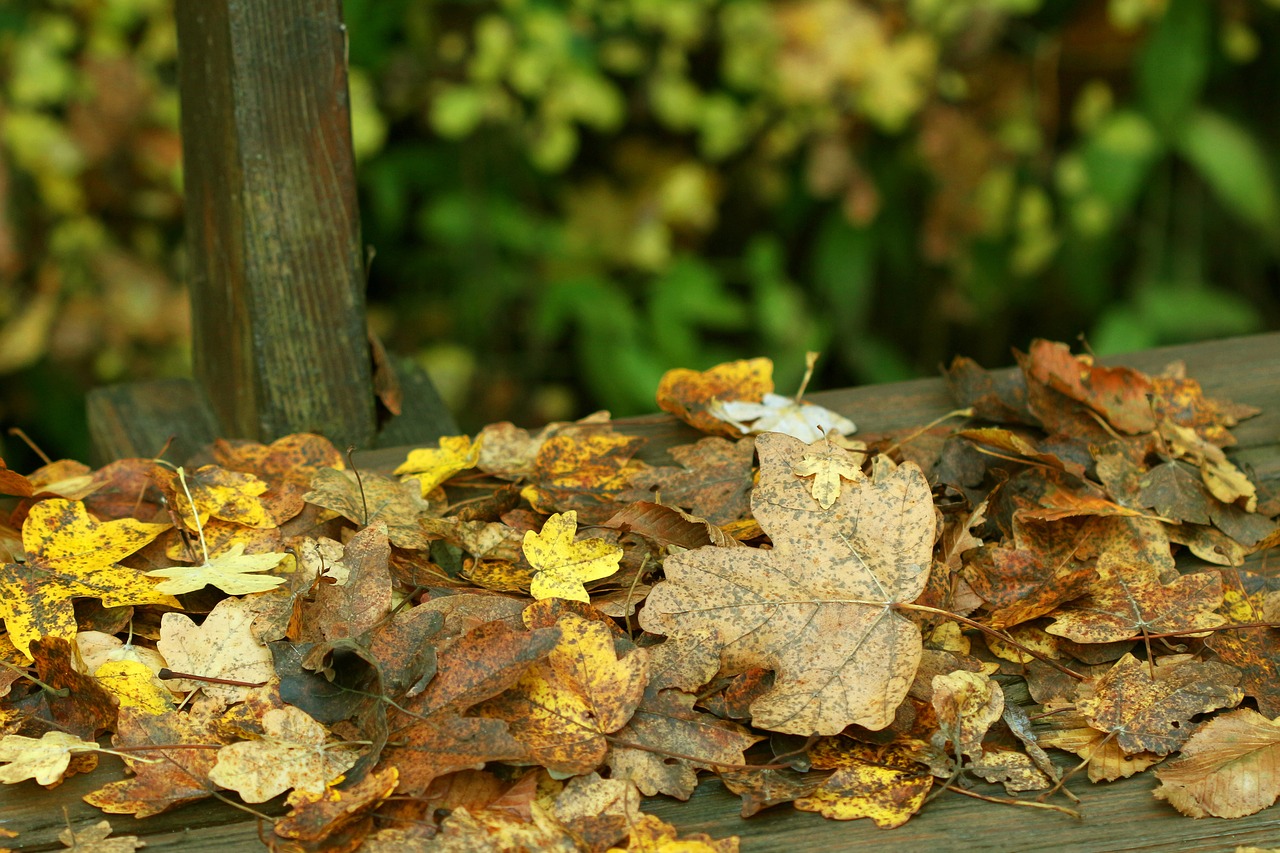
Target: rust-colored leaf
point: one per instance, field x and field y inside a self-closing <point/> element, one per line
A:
<point x="688" y="394"/>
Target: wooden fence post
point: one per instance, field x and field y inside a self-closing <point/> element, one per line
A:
<point x="273" y="233"/>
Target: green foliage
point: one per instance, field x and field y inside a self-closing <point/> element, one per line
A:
<point x="568" y="198"/>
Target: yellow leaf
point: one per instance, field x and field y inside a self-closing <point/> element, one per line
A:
<point x="565" y="565"/>
<point x="826" y="467"/>
<point x="230" y="571"/>
<point x="295" y="753"/>
<point x="70" y="554"/>
<point x="135" y="686"/>
<point x="431" y="466"/>
<point x="44" y="759"/>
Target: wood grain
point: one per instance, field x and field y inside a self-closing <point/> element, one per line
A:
<point x="273" y="229"/>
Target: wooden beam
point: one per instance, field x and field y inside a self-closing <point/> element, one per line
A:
<point x="276" y="264"/>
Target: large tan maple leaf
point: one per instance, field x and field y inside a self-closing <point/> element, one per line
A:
<point x="819" y="607"/>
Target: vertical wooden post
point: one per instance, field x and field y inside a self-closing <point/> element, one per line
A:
<point x="273" y="230"/>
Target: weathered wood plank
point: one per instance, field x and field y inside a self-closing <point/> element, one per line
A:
<point x="276" y="263"/>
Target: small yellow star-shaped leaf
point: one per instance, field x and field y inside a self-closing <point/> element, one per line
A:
<point x="827" y="466"/>
<point x="231" y="571"/>
<point x="564" y="565"/>
<point x="431" y="466"/>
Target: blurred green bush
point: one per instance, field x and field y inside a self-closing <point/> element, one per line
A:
<point x="568" y="198"/>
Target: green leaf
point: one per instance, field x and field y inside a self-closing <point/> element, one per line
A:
<point x="1230" y="160"/>
<point x="1175" y="61"/>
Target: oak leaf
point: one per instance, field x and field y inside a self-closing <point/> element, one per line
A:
<point x="295" y="752"/>
<point x="69" y="554"/>
<point x="818" y="608"/>
<point x="564" y="565"/>
<point x="1229" y="767"/>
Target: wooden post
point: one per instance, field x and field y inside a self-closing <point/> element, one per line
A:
<point x="273" y="232"/>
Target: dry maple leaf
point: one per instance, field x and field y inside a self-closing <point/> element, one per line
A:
<point x="651" y="835"/>
<point x="882" y="783"/>
<point x="562" y="707"/>
<point x="220" y="647"/>
<point x="295" y="752"/>
<point x="1152" y="715"/>
<point x="44" y="759"/>
<point x="67" y="700"/>
<point x="232" y="571"/>
<point x="827" y="464"/>
<point x="69" y="554"/>
<point x="431" y="466"/>
<point x="95" y="839"/>
<point x="373" y="497"/>
<point x="787" y="415"/>
<point x="1119" y="394"/>
<point x="564" y="565"/>
<point x="967" y="704"/>
<point x="363" y="597"/>
<point x="599" y="812"/>
<point x="165" y="777"/>
<point x="712" y="482"/>
<point x="1230" y="767"/>
<point x="218" y="493"/>
<point x="335" y="819"/>
<point x="1127" y="599"/>
<point x="818" y="608"/>
<point x="582" y="469"/>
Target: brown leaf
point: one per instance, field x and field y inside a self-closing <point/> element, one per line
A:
<point x="582" y="469"/>
<point x="363" y="598"/>
<point x="762" y="789"/>
<point x="73" y="703"/>
<point x="95" y="839"/>
<point x="1230" y="767"/>
<point x="967" y="704"/>
<point x="1153" y="714"/>
<point x="999" y="397"/>
<point x="563" y="706"/>
<point x="1181" y="400"/>
<point x="599" y="812"/>
<point x="382" y="499"/>
<point x="1119" y="394"/>
<point x="818" y="607"/>
<point x="220" y="647"/>
<point x="712" y="482"/>
<point x="1127" y="599"/>
<point x="295" y="753"/>
<point x="335" y="820"/>
<point x="168" y="777"/>
<point x="668" y="525"/>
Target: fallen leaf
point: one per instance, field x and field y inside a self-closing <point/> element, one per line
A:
<point x="44" y="759"/>
<point x="563" y="564"/>
<point x="713" y="480"/>
<point x="1149" y="714"/>
<point x="818" y="608"/>
<point x="217" y="493"/>
<point x="431" y="466"/>
<point x="651" y="835"/>
<point x="372" y="497"/>
<point x="967" y="705"/>
<point x="167" y="776"/>
<point x="1229" y="767"/>
<point x="70" y="554"/>
<point x="880" y="783"/>
<point x="232" y="571"/>
<point x="562" y="707"/>
<point x="336" y="819"/>
<point x="584" y="470"/>
<point x="827" y="464"/>
<point x="220" y="647"/>
<point x="688" y="394"/>
<point x="668" y="525"/>
<point x="599" y="812"/>
<point x="95" y="839"/>
<point x="786" y="415"/>
<point x="1119" y="394"/>
<point x="295" y="752"/>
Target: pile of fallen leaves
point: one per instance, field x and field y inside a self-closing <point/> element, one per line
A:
<point x="512" y="638"/>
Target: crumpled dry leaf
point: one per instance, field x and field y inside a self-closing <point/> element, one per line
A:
<point x="689" y="394"/>
<point x="882" y="783"/>
<point x="787" y="415"/>
<point x="818" y="608"/>
<point x="95" y="840"/>
<point x="431" y="466"/>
